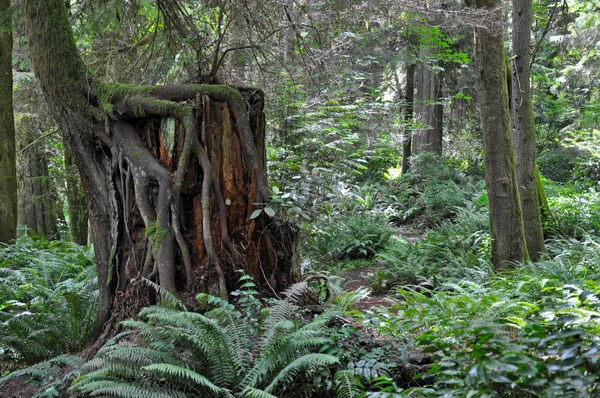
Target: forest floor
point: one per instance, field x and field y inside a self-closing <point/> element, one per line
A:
<point x="359" y="277"/>
<point x="17" y="388"/>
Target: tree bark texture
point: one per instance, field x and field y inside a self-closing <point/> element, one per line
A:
<point x="171" y="175"/>
<point x="8" y="174"/>
<point x="506" y="221"/>
<point x="39" y="206"/>
<point x="523" y="126"/>
<point x="78" y="214"/>
<point x="408" y="116"/>
<point x="429" y="110"/>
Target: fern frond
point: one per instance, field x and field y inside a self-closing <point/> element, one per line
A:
<point x="250" y="392"/>
<point x="124" y="390"/>
<point x="293" y="293"/>
<point x="306" y="363"/>
<point x="347" y="385"/>
<point x="183" y="373"/>
<point x="166" y="295"/>
<point x="238" y="338"/>
<point x="140" y="356"/>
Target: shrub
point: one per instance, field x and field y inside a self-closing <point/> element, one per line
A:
<point x="577" y="214"/>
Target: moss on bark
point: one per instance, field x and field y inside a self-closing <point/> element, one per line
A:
<point x="8" y="176"/>
<point x="506" y="220"/>
<point x="523" y="127"/>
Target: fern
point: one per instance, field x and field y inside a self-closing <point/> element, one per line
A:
<point x="307" y="363"/>
<point x="166" y="295"/>
<point x="216" y="354"/>
<point x="347" y="384"/>
<point x="250" y="392"/>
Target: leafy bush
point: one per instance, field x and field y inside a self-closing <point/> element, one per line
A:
<point x="529" y="332"/>
<point x="577" y="213"/>
<point x="543" y="359"/>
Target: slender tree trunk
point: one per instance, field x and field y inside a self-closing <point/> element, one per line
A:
<point x="523" y="126"/>
<point x="408" y="115"/>
<point x="78" y="217"/>
<point x="39" y="205"/>
<point x="506" y="221"/>
<point x="171" y="176"/>
<point x="429" y="110"/>
<point x="8" y="174"/>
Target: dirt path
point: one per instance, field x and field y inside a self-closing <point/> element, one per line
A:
<point x="357" y="278"/>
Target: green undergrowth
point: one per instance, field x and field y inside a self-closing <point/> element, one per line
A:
<point x="48" y="300"/>
<point x="296" y="346"/>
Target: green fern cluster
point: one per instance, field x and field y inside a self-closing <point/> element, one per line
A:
<point x="456" y="250"/>
<point x="175" y="353"/>
<point x="48" y="300"/>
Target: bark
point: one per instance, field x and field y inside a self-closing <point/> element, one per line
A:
<point x="171" y="176"/>
<point x="39" y="206"/>
<point x="429" y="110"/>
<point x="78" y="218"/>
<point x="8" y="176"/>
<point x="408" y="116"/>
<point x="506" y="221"/>
<point x="523" y="126"/>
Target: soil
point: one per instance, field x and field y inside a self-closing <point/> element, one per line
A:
<point x="17" y="388"/>
<point x="357" y="278"/>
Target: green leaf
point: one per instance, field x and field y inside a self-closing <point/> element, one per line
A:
<point x="255" y="214"/>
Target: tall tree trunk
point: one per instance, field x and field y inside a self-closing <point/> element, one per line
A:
<point x="523" y="126"/>
<point x="8" y="173"/>
<point x="429" y="110"/>
<point x="408" y="115"/>
<point x="39" y="205"/>
<point x="78" y="217"/>
<point x="506" y="221"/>
<point x="171" y="175"/>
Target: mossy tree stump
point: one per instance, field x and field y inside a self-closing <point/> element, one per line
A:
<point x="171" y="174"/>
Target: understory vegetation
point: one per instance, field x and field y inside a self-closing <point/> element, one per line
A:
<point x="449" y="325"/>
<point x="398" y="296"/>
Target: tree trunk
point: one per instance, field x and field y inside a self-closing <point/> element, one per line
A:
<point x="8" y="174"/>
<point x="408" y="116"/>
<point x="429" y="110"/>
<point x="39" y="205"/>
<point x="171" y="175"/>
<point x="523" y="127"/>
<point x="78" y="217"/>
<point x="506" y="221"/>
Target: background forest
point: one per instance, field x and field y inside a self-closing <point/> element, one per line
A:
<point x="376" y="119"/>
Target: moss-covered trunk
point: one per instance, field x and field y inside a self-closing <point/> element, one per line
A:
<point x="171" y="175"/>
<point x="429" y="109"/>
<point x="523" y="126"/>
<point x="8" y="176"/>
<point x="506" y="221"/>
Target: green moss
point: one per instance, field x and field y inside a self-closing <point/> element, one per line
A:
<point x="155" y="233"/>
<point x="135" y="98"/>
